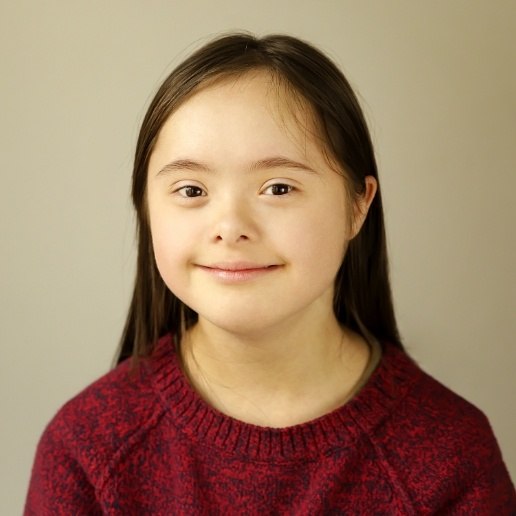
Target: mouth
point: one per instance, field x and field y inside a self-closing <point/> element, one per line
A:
<point x="238" y="271"/>
<point x="238" y="266"/>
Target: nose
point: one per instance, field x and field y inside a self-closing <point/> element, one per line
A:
<point x="233" y="221"/>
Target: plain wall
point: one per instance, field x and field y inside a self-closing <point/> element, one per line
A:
<point x="437" y="82"/>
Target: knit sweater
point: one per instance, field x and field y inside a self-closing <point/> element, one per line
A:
<point x="145" y="443"/>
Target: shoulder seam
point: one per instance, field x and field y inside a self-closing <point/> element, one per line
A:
<point x="106" y="475"/>
<point x="384" y="463"/>
<point x="390" y="472"/>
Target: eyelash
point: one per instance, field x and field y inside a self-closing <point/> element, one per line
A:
<point x="190" y="188"/>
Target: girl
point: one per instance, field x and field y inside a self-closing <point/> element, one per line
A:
<point x="260" y="368"/>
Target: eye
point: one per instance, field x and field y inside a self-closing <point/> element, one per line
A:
<point x="278" y="189"/>
<point x="190" y="191"/>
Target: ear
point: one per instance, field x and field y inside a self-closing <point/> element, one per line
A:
<point x="362" y="204"/>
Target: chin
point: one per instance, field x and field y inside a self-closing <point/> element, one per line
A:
<point x="243" y="323"/>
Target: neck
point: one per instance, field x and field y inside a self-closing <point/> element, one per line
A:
<point x="279" y="377"/>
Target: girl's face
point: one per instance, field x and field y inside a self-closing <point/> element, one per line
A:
<point x="249" y="223"/>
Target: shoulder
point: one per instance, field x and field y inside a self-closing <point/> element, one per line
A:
<point x="105" y="419"/>
<point x="122" y="397"/>
<point x="435" y="444"/>
<point x="407" y="393"/>
<point x="433" y="412"/>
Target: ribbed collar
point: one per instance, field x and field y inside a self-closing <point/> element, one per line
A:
<point x="340" y="428"/>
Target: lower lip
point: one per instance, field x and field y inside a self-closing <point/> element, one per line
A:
<point x="240" y="275"/>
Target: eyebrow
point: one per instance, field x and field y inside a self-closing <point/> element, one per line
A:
<point x="263" y="164"/>
<point x="183" y="164"/>
<point x="280" y="162"/>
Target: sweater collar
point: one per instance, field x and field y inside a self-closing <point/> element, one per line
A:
<point x="341" y="428"/>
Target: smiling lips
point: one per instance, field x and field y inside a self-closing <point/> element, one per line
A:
<point x="238" y="271"/>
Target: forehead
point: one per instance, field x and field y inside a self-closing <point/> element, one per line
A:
<point x="266" y="87"/>
<point x="256" y="105"/>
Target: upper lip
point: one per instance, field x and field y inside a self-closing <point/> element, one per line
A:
<point x="238" y="266"/>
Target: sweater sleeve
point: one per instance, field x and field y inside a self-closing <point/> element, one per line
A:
<point x="59" y="485"/>
<point x="492" y="492"/>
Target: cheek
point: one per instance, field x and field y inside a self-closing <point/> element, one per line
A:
<point x="319" y="237"/>
<point x="172" y="243"/>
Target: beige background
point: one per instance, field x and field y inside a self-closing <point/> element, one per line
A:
<point x="438" y="85"/>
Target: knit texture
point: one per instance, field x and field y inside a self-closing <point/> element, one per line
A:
<point x="146" y="443"/>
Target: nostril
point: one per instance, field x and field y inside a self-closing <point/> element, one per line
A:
<point x="241" y="237"/>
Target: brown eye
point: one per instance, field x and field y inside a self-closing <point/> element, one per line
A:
<point x="279" y="189"/>
<point x="191" y="191"/>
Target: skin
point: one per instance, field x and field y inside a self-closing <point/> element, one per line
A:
<point x="235" y="181"/>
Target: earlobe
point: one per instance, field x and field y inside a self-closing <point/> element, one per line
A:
<point x="363" y="203"/>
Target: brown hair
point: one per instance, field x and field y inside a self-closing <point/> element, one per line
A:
<point x="363" y="299"/>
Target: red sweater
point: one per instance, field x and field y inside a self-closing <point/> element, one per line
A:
<point x="148" y="444"/>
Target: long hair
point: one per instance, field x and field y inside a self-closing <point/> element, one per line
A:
<point x="363" y="299"/>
